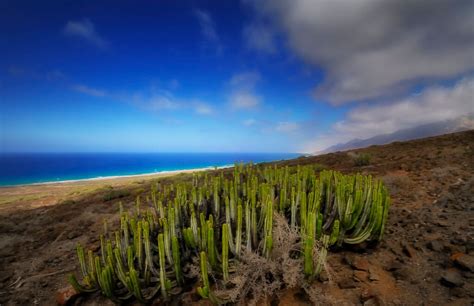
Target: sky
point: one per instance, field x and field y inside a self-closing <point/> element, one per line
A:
<point x="228" y="76"/>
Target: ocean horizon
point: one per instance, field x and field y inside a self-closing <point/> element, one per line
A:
<point x="34" y="168"/>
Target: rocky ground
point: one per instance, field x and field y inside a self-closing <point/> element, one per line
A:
<point x="426" y="257"/>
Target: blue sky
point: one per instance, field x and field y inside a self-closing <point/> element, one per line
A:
<point x="224" y="76"/>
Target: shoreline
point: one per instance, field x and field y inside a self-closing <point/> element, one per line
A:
<point x="30" y="196"/>
<point x="118" y="177"/>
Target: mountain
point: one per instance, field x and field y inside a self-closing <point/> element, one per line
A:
<point x="427" y="130"/>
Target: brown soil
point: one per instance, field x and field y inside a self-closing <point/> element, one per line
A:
<point x="425" y="258"/>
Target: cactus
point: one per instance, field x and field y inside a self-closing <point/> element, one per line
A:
<point x="309" y="244"/>
<point x="163" y="280"/>
<point x="238" y="235"/>
<point x="205" y="289"/>
<point x="211" y="215"/>
<point x="177" y="260"/>
<point x="225" y="251"/>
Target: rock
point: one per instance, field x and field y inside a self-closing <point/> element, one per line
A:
<point x="435" y="245"/>
<point x="393" y="266"/>
<point x="323" y="276"/>
<point x="402" y="274"/>
<point x="66" y="295"/>
<point x="408" y="250"/>
<point x="373" y="275"/>
<point x="441" y="223"/>
<point x="73" y="234"/>
<point x="347" y="283"/>
<point x="371" y="302"/>
<point x="452" y="278"/>
<point x="466" y="262"/>
<point x="361" y="276"/>
<point x="366" y="294"/>
<point x="360" y="264"/>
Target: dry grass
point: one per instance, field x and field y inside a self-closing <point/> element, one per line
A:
<point x="256" y="277"/>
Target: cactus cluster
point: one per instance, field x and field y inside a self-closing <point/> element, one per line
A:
<point x="217" y="216"/>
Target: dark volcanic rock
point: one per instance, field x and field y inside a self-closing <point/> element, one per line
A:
<point x="435" y="245"/>
<point x="347" y="283"/>
<point x="452" y="278"/>
<point x="466" y="262"/>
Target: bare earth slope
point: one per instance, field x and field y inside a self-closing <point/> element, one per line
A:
<point x="426" y="257"/>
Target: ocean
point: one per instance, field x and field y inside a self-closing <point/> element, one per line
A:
<point x="30" y="168"/>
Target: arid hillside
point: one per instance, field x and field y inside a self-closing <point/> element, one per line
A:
<point x="425" y="258"/>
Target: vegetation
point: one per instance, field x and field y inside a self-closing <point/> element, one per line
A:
<point x="362" y="159"/>
<point x="113" y="194"/>
<point x="217" y="220"/>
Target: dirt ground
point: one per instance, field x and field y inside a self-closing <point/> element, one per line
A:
<point x="425" y="258"/>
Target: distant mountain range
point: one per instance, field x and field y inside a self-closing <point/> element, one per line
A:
<point x="427" y="130"/>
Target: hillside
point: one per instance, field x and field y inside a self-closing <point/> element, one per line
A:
<point x="463" y="123"/>
<point x="426" y="256"/>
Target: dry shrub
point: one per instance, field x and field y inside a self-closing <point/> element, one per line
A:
<point x="396" y="182"/>
<point x="442" y="173"/>
<point x="256" y="277"/>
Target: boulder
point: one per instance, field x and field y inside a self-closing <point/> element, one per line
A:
<point x="452" y="278"/>
<point x="66" y="295"/>
<point x="466" y="262"/>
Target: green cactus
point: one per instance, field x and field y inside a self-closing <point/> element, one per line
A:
<point x="225" y="251"/>
<point x="213" y="214"/>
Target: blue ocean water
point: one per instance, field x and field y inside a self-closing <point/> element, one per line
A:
<point x="28" y="168"/>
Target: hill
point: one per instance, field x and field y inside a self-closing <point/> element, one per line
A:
<point x="427" y="130"/>
<point x="426" y="256"/>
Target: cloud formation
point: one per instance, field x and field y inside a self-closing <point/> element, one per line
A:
<point x="287" y="127"/>
<point x="249" y="122"/>
<point x="85" y="30"/>
<point x="90" y="91"/>
<point x="154" y="100"/>
<point x="202" y="108"/>
<point x="435" y="104"/>
<point x="373" y="49"/>
<point x="208" y="28"/>
<point x="259" y="37"/>
<point x="243" y="95"/>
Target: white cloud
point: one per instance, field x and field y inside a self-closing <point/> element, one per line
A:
<point x="154" y="100"/>
<point x="208" y="28"/>
<point x="159" y="102"/>
<point x="287" y="127"/>
<point x="89" y="90"/>
<point x="259" y="37"/>
<point x="434" y="104"/>
<point x="203" y="108"/>
<point x="242" y="100"/>
<point x="243" y="94"/>
<point x="85" y="30"/>
<point x="373" y="49"/>
<point x="249" y="122"/>
<point x="245" y="80"/>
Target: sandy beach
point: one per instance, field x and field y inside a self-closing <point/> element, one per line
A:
<point x="31" y="196"/>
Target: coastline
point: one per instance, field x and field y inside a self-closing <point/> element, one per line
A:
<point x="30" y="196"/>
<point x="116" y="177"/>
